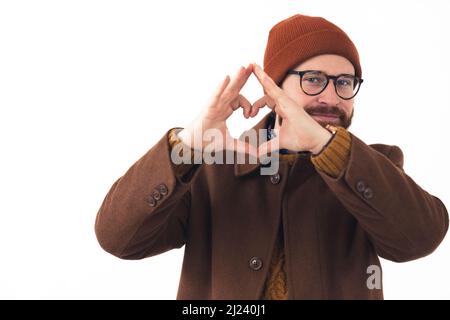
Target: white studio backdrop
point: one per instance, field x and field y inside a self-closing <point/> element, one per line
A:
<point x="87" y="87"/>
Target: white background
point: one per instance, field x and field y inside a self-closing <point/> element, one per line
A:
<point x="87" y="87"/>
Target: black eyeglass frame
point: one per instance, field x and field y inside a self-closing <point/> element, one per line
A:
<point x="359" y="81"/>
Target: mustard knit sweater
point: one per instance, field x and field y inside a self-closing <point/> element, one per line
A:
<point x="332" y="160"/>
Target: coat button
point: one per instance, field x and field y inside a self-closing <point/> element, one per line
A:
<point x="360" y="186"/>
<point x="368" y="193"/>
<point x="275" y="178"/>
<point x="156" y="195"/>
<point x="255" y="263"/>
<point x="162" y="188"/>
<point x="151" y="201"/>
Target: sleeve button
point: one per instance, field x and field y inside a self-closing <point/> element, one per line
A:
<point x="360" y="186"/>
<point x="162" y="188"/>
<point x="368" y="193"/>
<point x="151" y="201"/>
<point x="156" y="195"/>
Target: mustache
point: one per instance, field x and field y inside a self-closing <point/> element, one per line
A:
<point x="326" y="110"/>
<point x="344" y="119"/>
<point x="314" y="110"/>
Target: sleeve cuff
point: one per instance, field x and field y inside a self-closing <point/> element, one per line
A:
<point x="334" y="157"/>
<point x="182" y="169"/>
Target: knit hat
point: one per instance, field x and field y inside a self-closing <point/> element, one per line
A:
<point x="300" y="37"/>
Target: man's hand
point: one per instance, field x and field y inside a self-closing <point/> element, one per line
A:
<point x="298" y="131"/>
<point x="224" y="102"/>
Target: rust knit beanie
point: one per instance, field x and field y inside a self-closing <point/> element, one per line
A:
<point x="300" y="37"/>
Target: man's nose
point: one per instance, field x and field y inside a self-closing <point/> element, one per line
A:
<point x="329" y="95"/>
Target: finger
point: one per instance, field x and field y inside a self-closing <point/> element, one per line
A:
<point x="261" y="103"/>
<point x="246" y="106"/>
<point x="219" y="91"/>
<point x="236" y="84"/>
<point x="267" y="83"/>
<point x="268" y="147"/>
<point x="246" y="73"/>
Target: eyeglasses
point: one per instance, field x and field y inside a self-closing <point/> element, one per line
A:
<point x="314" y="82"/>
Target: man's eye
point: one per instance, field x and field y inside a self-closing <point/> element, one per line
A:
<point x="345" y="82"/>
<point x="314" y="80"/>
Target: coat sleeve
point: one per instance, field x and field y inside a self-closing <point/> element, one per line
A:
<point x="403" y="221"/>
<point x="132" y="222"/>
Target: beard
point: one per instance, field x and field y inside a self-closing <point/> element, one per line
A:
<point x="342" y="120"/>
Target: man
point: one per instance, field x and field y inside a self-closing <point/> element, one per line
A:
<point x="311" y="230"/>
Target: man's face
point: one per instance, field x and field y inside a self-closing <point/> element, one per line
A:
<point x="326" y="107"/>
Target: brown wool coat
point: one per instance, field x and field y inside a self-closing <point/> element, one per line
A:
<point x="227" y="216"/>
